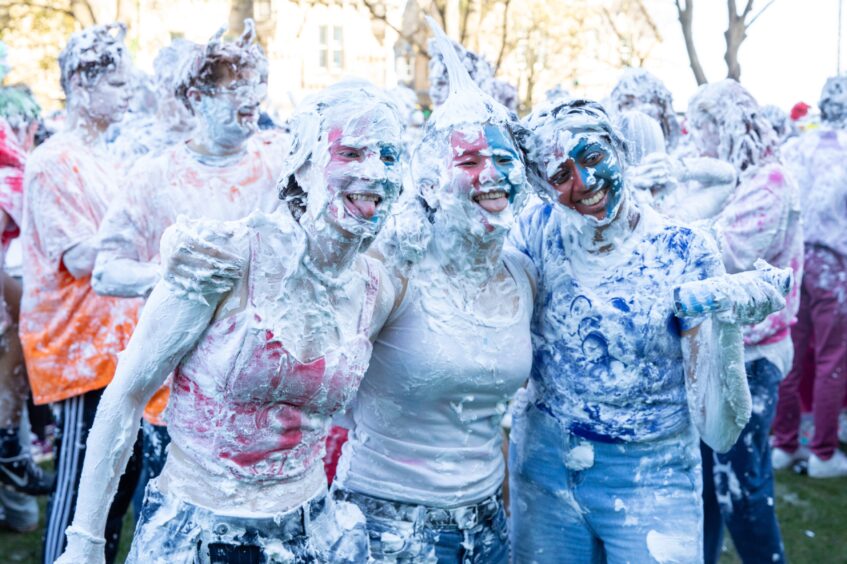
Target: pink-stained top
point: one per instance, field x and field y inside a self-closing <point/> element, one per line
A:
<point x="12" y="161"/>
<point x="177" y="182"/>
<point x="762" y="220"/>
<point x="818" y="161"/>
<point x="241" y="403"/>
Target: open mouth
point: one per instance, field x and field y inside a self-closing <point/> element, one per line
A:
<point x="593" y="201"/>
<point x="494" y="201"/>
<point x="362" y="204"/>
<point x="248" y="114"/>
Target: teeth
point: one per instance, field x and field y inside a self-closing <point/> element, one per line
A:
<point x="497" y="194"/>
<point x="365" y="197"/>
<point x="593" y="199"/>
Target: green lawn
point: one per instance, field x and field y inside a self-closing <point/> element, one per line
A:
<point x="812" y="513"/>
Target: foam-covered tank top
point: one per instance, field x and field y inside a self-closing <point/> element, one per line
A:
<point x="241" y="403"/>
<point x="429" y="409"/>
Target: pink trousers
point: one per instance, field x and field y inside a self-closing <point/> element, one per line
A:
<point x="820" y="354"/>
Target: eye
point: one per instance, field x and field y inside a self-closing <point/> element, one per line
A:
<point x="562" y="175"/>
<point x="504" y="159"/>
<point x="468" y="163"/>
<point x="388" y="158"/>
<point x="349" y="153"/>
<point x="593" y="158"/>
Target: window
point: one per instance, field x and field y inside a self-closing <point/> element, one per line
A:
<point x="331" y="51"/>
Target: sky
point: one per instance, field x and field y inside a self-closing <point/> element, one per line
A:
<point x="787" y="56"/>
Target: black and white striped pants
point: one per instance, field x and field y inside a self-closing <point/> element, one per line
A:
<point x="75" y="418"/>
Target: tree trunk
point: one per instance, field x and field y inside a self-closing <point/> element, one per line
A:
<point x="735" y="35"/>
<point x="686" y="17"/>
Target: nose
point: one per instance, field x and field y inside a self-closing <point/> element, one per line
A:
<point x="491" y="173"/>
<point x="372" y="168"/>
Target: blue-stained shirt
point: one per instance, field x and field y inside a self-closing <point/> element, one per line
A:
<point x="607" y="354"/>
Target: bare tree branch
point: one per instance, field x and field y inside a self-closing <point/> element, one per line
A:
<point x="380" y="15"/>
<point x="686" y="17"/>
<point x="759" y="13"/>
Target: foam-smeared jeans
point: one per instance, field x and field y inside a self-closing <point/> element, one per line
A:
<point x="738" y="487"/>
<point x="580" y="501"/>
<point x="405" y="532"/>
<point x="171" y="531"/>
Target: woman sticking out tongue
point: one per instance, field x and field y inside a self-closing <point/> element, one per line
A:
<point x="266" y="323"/>
<point x="424" y="460"/>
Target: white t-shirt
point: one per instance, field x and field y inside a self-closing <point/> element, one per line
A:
<point x="428" y="412"/>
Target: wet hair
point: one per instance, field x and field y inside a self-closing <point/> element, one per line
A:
<point x="746" y="137"/>
<point x="647" y="88"/>
<point x="219" y="59"/>
<point x="90" y="53"/>
<point x="780" y="121"/>
<point x="347" y="100"/>
<point x="169" y="66"/>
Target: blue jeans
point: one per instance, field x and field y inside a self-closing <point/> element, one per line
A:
<point x="575" y="500"/>
<point x="738" y="488"/>
<point x="154" y="444"/>
<point x="172" y="531"/>
<point x="405" y="532"/>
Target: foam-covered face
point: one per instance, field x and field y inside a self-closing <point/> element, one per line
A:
<point x="484" y="176"/>
<point x="706" y="135"/>
<point x="363" y="173"/>
<point x="584" y="174"/>
<point x="439" y="85"/>
<point x="652" y="108"/>
<point x="107" y="100"/>
<point x="230" y="110"/>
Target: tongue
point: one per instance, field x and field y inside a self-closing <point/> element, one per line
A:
<point x="366" y="208"/>
<point x="494" y="206"/>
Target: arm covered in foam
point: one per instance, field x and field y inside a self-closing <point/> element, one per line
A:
<point x="151" y="355"/>
<point x="201" y="270"/>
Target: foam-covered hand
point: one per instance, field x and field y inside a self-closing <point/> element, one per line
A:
<point x="197" y="259"/>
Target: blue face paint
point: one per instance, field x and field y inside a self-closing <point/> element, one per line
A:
<point x="504" y="156"/>
<point x="597" y="165"/>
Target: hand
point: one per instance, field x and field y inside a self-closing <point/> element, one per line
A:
<point x="83" y="548"/>
<point x="196" y="260"/>
<point x="656" y="171"/>
<point x="752" y="300"/>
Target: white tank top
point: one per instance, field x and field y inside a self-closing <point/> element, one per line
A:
<point x="428" y="412"/>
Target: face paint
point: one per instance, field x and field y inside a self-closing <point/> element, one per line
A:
<point x="362" y="175"/>
<point x="588" y="177"/>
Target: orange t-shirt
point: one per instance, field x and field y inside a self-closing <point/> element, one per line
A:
<point x="70" y="335"/>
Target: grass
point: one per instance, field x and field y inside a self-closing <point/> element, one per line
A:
<point x="812" y="514"/>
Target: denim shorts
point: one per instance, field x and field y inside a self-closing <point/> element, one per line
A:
<point x="171" y="531"/>
<point x="406" y="532"/>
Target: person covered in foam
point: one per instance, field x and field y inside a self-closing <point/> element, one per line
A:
<point x="424" y="460"/>
<point x="70" y="335"/>
<point x="266" y="323"/>
<point x="760" y="220"/>
<point x="818" y="160"/>
<point x="604" y="459"/>
<point x="169" y="121"/>
<point x="663" y="168"/>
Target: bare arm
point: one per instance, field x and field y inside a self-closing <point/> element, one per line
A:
<point x="143" y="367"/>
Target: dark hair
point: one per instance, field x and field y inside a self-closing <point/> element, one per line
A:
<point x="294" y="195"/>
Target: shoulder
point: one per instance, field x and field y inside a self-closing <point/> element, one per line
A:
<point x="683" y="241"/>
